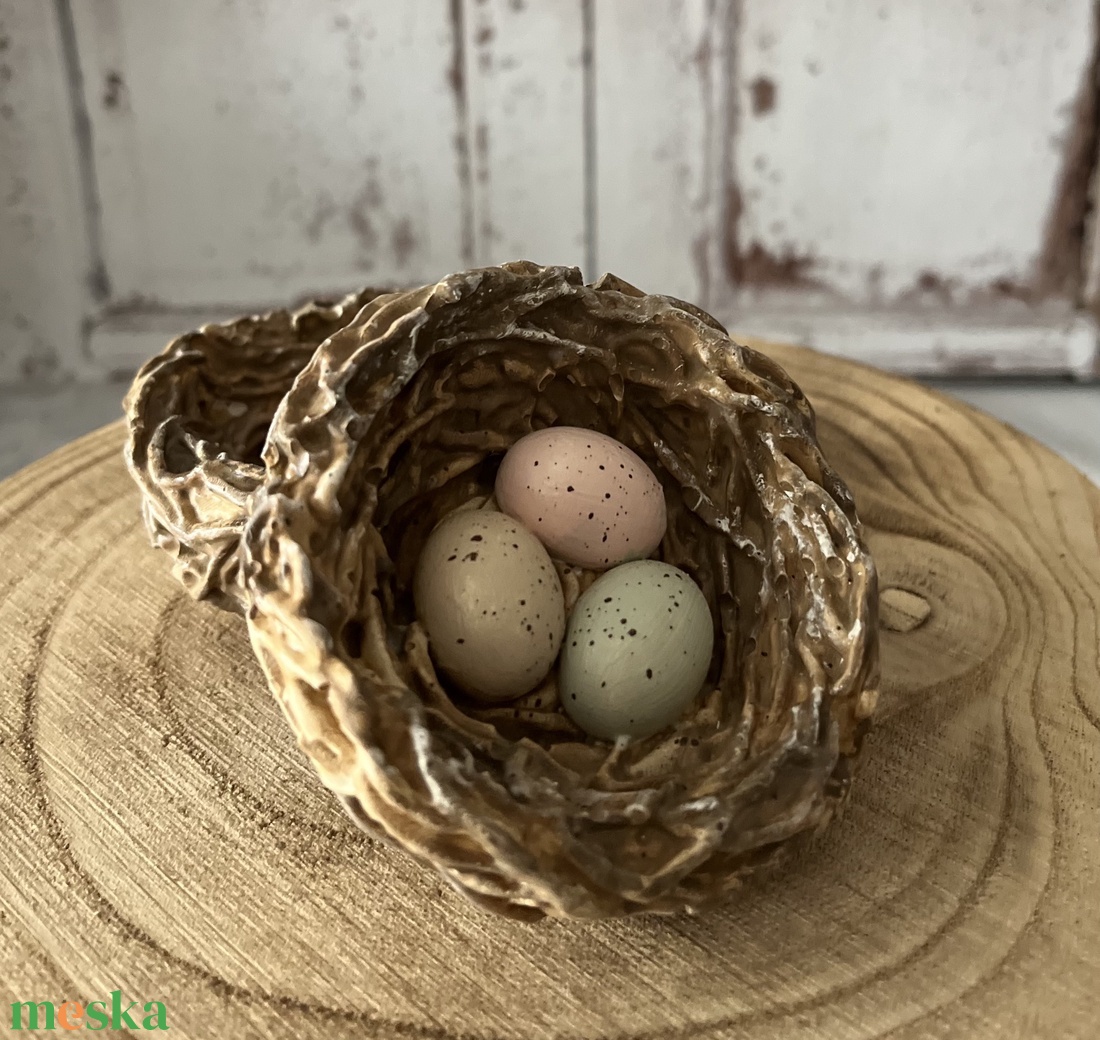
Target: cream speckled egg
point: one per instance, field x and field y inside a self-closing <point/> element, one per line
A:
<point x="637" y="650"/>
<point x="491" y="602"/>
<point x="590" y="500"/>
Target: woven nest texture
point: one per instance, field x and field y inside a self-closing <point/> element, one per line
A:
<point x="402" y="415"/>
<point x="199" y="415"/>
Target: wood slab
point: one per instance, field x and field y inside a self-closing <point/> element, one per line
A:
<point x="163" y="835"/>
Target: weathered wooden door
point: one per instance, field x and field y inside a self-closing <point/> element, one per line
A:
<point x="904" y="181"/>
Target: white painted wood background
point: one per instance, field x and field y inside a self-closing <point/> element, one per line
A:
<point x="904" y="181"/>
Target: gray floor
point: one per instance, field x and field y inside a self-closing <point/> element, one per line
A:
<point x="34" y="420"/>
<point x="1065" y="416"/>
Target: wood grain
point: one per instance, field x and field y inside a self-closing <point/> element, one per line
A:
<point x="164" y="835"/>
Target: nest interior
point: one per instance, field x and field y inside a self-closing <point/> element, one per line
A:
<point x="403" y="415"/>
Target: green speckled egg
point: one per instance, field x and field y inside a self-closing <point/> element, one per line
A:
<point x="636" y="651"/>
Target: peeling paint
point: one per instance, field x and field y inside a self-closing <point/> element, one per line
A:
<point x="19" y="188"/>
<point x="40" y="363"/>
<point x="113" y="89"/>
<point x="928" y="284"/>
<point x="731" y="244"/>
<point x="762" y="93"/>
<point x="403" y="241"/>
<point x="703" y="60"/>
<point x="789" y="270"/>
<point x="481" y="152"/>
<point x="457" y="78"/>
<point x="324" y="210"/>
<point x="360" y="223"/>
<point x="754" y="265"/>
<point x="96" y="279"/>
<point x="371" y="194"/>
<point x="1060" y="267"/>
<point x="1005" y="288"/>
<point x="875" y="278"/>
<point x="700" y="252"/>
<point x="134" y="303"/>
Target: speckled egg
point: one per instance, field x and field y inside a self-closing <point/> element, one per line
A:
<point x="590" y="500"/>
<point x="637" y="650"/>
<point x="491" y="603"/>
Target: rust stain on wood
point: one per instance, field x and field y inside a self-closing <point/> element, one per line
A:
<point x="947" y="291"/>
<point x="114" y="88"/>
<point x="42" y="363"/>
<point x="703" y="60"/>
<point x="134" y="304"/>
<point x="757" y="266"/>
<point x="481" y="152"/>
<point x="700" y="252"/>
<point x="403" y="241"/>
<point x="788" y="269"/>
<point x="762" y="93"/>
<point x="457" y="78"/>
<point x="928" y="284"/>
<point x="363" y="229"/>
<point x="367" y="201"/>
<point x="1060" y="267"/>
<point x="1005" y="288"/>
<point x="323" y="211"/>
<point x="731" y="239"/>
<point x="486" y="231"/>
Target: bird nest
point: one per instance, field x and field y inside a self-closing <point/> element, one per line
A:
<point x="306" y="505"/>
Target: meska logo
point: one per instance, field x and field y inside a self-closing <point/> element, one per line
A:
<point x="99" y="1014"/>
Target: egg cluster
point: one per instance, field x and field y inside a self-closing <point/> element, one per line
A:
<point x="635" y="650"/>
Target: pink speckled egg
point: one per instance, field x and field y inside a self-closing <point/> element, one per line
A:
<point x="589" y="499"/>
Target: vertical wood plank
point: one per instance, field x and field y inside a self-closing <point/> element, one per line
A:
<point x="905" y="150"/>
<point x="43" y="243"/>
<point x="661" y="123"/>
<point x="251" y="152"/>
<point x="525" y="91"/>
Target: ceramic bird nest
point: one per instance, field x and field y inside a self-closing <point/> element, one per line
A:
<point x="308" y="507"/>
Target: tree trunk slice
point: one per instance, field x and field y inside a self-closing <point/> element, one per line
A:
<point x="166" y="838"/>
